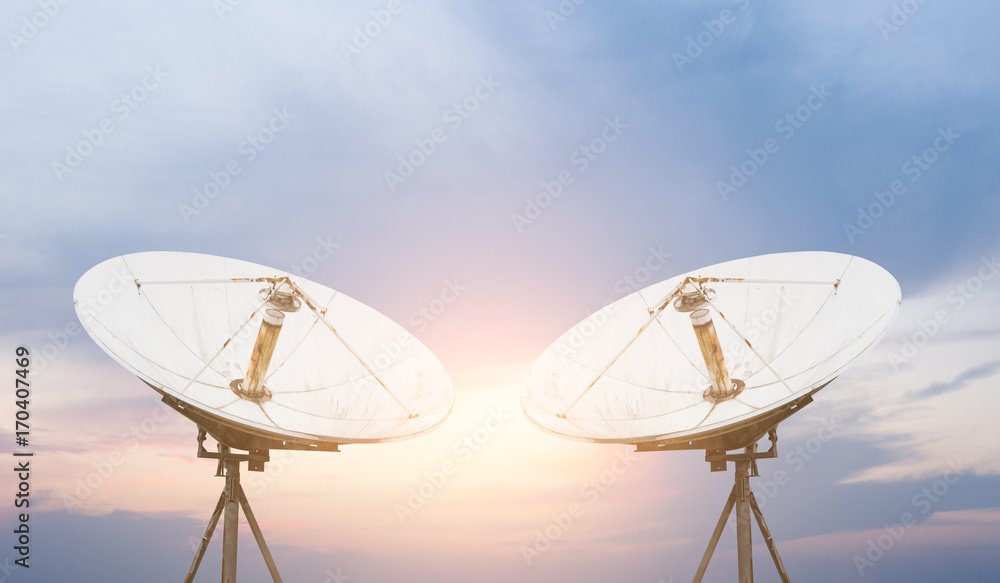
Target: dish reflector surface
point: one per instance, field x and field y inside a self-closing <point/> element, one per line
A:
<point x="187" y="323"/>
<point x="633" y="372"/>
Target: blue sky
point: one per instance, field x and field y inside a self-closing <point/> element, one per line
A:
<point x="617" y="101"/>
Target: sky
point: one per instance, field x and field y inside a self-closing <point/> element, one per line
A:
<point x="544" y="159"/>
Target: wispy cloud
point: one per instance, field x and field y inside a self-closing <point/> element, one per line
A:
<point x="939" y="388"/>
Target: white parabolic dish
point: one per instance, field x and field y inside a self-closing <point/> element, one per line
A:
<point x="185" y="324"/>
<point x="807" y="314"/>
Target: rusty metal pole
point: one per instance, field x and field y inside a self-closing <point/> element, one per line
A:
<point x="267" y="338"/>
<point x="716" y="535"/>
<point x="206" y="538"/>
<point x="230" y="529"/>
<point x="769" y="539"/>
<point x="257" y="534"/>
<point x="744" y="544"/>
<point x="711" y="352"/>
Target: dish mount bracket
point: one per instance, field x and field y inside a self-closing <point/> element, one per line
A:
<point x="232" y="499"/>
<point x="742" y="499"/>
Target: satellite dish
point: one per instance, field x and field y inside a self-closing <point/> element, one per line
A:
<point x="260" y="359"/>
<point x="713" y="359"/>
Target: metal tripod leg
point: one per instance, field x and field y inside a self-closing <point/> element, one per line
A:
<point x="231" y="526"/>
<point x="232" y="499"/>
<point x="716" y="536"/>
<point x="767" y="538"/>
<point x="742" y="499"/>
<point x="257" y="534"/>
<point x="205" y="539"/>
<point x="744" y="534"/>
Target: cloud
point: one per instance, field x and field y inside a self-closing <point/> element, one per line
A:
<point x="939" y="388"/>
<point x="323" y="178"/>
